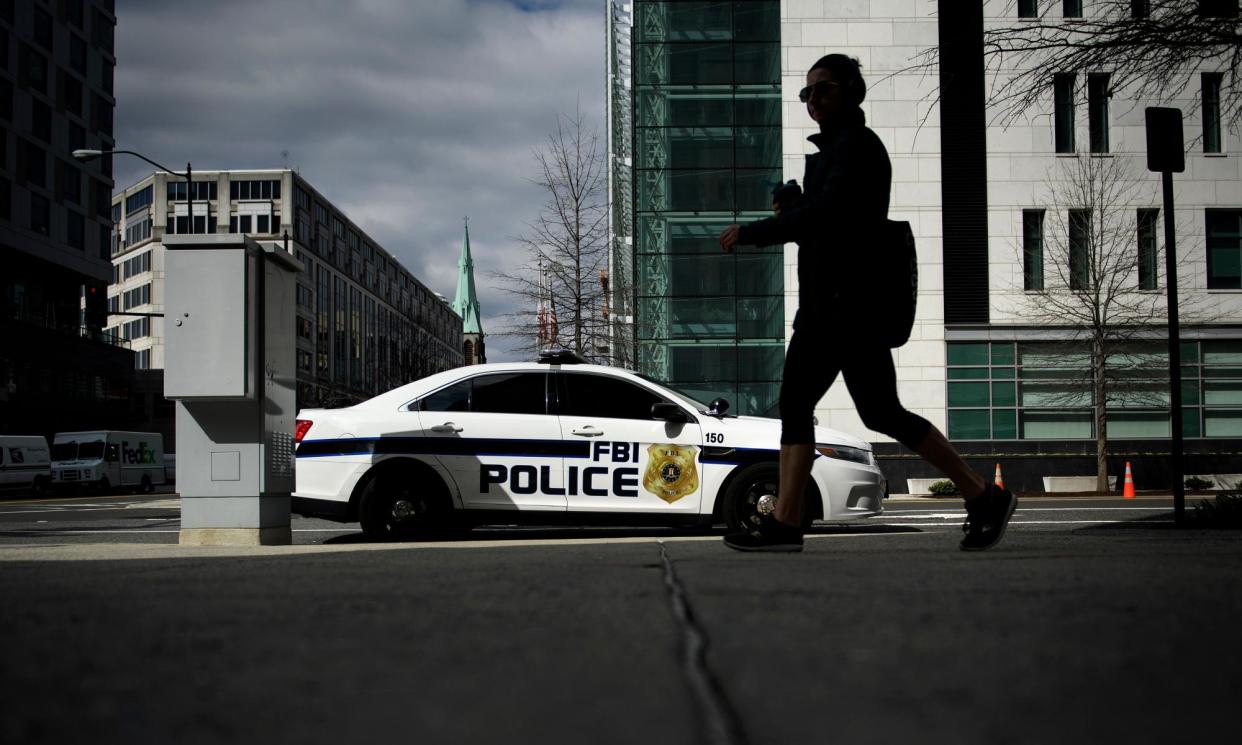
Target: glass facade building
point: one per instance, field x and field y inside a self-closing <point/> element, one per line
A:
<point x="706" y="116"/>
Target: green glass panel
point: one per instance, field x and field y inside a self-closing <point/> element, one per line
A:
<point x="1189" y="371"/>
<point x="1222" y="393"/>
<point x="1002" y="354"/>
<point x="761" y="318"/>
<point x="1003" y="373"/>
<point x="967" y="373"/>
<point x="698" y="21"/>
<point x="754" y="187"/>
<point x="759" y="399"/>
<point x="703" y="362"/>
<point x="700" y="63"/>
<point x="1004" y="424"/>
<point x="1190" y="423"/>
<point x="700" y="109"/>
<point x="761" y="362"/>
<point x="700" y="147"/>
<point x="1052" y="355"/>
<point x="1222" y="372"/>
<point x="703" y="318"/>
<point x="1057" y="425"/>
<point x="968" y="394"/>
<point x="1190" y="392"/>
<point x="1190" y="351"/>
<point x="757" y="108"/>
<point x="1055" y="395"/>
<point x="696" y="276"/>
<point x="757" y="63"/>
<point x="969" y="424"/>
<point x="758" y="147"/>
<point x="968" y="353"/>
<point x="1222" y="352"/>
<point x="685" y="191"/>
<point x="1222" y="423"/>
<point x="757" y="21"/>
<point x="761" y="274"/>
<point x="1004" y="394"/>
<point x="1139" y="424"/>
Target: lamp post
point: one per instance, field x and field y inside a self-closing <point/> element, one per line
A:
<point x="85" y="155"/>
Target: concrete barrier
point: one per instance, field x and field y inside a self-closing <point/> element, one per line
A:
<point x="1053" y="484"/>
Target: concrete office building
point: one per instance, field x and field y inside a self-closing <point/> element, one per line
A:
<point x="976" y="194"/>
<point x="57" y="370"/>
<point x="364" y="323"/>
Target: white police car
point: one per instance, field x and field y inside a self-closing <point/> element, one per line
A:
<point x="553" y="442"/>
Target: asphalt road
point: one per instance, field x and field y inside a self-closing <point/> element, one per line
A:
<point x="1094" y="621"/>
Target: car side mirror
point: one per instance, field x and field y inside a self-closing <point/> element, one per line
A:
<point x="668" y="412"/>
<point x="719" y="407"/>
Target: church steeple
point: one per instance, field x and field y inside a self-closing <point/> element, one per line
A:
<point x="466" y="304"/>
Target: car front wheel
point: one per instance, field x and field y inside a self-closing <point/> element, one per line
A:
<point x="742" y="501"/>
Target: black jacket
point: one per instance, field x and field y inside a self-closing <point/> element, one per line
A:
<point x="844" y="202"/>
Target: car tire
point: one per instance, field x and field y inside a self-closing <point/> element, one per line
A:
<point x="740" y="509"/>
<point x="395" y="508"/>
<point x="103" y="485"/>
<point x="146" y="487"/>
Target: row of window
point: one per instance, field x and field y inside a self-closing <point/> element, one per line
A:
<point x="136" y="297"/>
<point x="1138" y="8"/>
<point x="130" y="267"/>
<point x="142" y="359"/>
<point x="203" y="191"/>
<point x="131" y="330"/>
<point x="139" y="231"/>
<point x="1098" y="95"/>
<point x="32" y="170"/>
<point x="1031" y="391"/>
<point x="1223" y="228"/>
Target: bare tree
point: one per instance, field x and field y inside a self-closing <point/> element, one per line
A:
<point x="1103" y="318"/>
<point x="1153" y="48"/>
<point x="566" y="246"/>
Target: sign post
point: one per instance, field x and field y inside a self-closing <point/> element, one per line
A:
<point x="1166" y="154"/>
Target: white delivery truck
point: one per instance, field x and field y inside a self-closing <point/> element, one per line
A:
<point x="107" y="459"/>
<point x="25" y="465"/>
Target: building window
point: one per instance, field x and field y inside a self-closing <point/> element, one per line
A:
<point x="43" y="28"/>
<point x="1097" y="111"/>
<point x="1147" y="226"/>
<point x="142" y="359"/>
<point x="36" y="164"/>
<point x="138" y="200"/>
<point x="75" y="226"/>
<point x="1033" y="249"/>
<point x="1211" y="112"/>
<point x="40" y="214"/>
<point x="204" y="191"/>
<point x="77" y="54"/>
<point x="1224" y="249"/>
<point x="71" y="94"/>
<point x="1063" y="85"/>
<point x="1071" y="8"/>
<point x="40" y="120"/>
<point x="1080" y="253"/>
<point x="1028" y="8"/>
<point x="71" y="182"/>
<point x="267" y="189"/>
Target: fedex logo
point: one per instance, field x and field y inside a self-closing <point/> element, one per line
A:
<point x="139" y="456"/>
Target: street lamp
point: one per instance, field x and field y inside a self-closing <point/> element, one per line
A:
<point x="85" y="155"/>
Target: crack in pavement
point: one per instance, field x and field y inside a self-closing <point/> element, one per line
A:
<point x="723" y="725"/>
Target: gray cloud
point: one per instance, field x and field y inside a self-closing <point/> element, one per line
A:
<point x="406" y="114"/>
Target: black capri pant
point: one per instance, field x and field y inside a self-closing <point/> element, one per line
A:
<point x="812" y="363"/>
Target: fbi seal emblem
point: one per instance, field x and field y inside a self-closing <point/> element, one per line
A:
<point x="671" y="473"/>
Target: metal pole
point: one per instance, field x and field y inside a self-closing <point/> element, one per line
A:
<point x="189" y="194"/>
<point x="1175" y="353"/>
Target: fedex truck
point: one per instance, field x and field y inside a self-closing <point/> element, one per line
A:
<point x="108" y="459"/>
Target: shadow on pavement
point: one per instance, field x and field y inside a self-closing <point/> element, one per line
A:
<point x="517" y="533"/>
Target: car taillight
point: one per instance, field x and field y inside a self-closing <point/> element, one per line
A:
<point x="303" y="425"/>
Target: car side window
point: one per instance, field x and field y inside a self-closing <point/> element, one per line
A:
<point x="510" y="393"/>
<point x="454" y="398"/>
<point x="585" y="394"/>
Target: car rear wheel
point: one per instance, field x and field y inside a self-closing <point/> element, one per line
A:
<point x="103" y="486"/>
<point x="396" y="506"/>
<point x="742" y="500"/>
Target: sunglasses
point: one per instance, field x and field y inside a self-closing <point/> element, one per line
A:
<point x="820" y="88"/>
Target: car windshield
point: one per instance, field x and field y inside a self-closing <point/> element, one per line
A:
<point x="686" y="398"/>
<point x="65" y="450"/>
<point x="91" y="450"/>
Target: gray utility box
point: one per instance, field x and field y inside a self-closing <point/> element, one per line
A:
<point x="230" y="367"/>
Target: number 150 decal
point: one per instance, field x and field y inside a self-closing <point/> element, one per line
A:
<point x="715" y="438"/>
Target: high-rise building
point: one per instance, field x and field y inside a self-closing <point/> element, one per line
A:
<point x="365" y="324"/>
<point x="58" y="371"/>
<point x="984" y="363"/>
<point x="700" y="148"/>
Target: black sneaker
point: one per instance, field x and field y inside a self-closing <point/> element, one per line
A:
<point x="773" y="537"/>
<point x="987" y="516"/>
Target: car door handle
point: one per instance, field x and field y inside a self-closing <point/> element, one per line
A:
<point x="588" y="431"/>
<point x="446" y="427"/>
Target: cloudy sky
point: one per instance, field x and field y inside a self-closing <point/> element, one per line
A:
<point x="407" y="114"/>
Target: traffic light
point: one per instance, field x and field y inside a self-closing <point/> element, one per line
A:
<point x="95" y="307"/>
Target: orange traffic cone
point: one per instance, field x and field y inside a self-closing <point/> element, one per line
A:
<point x="1127" y="491"/>
<point x="999" y="481"/>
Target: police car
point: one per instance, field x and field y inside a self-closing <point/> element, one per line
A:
<point x="558" y="441"/>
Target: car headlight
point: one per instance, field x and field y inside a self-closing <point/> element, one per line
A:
<point x="841" y="452"/>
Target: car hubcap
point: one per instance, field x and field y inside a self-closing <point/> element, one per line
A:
<point x="766" y="504"/>
<point x="403" y="509"/>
